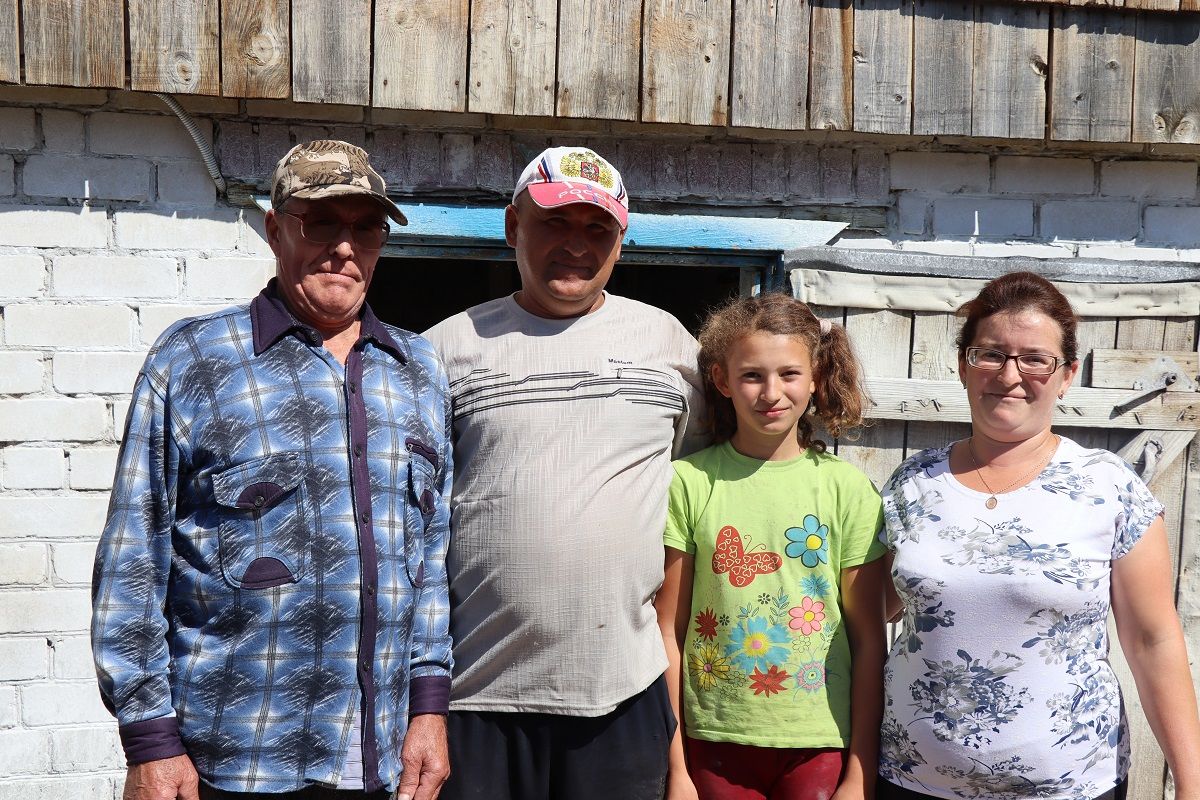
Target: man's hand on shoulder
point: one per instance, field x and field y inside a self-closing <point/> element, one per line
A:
<point x="426" y="758"/>
<point x="164" y="779"/>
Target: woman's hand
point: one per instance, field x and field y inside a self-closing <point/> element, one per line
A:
<point x="680" y="786"/>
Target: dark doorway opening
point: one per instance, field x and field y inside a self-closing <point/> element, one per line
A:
<point x="416" y="293"/>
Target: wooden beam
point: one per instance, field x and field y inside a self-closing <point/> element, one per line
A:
<point x="1120" y="369"/>
<point x="883" y="66"/>
<point x="685" y="65"/>
<point x="1008" y="90"/>
<point x="1092" y="75"/>
<point x="770" y="64"/>
<point x="1153" y="5"/>
<point x="943" y="66"/>
<point x="74" y="42"/>
<point x="421" y="54"/>
<point x="599" y="58"/>
<point x="10" y="43"/>
<point x="174" y="47"/>
<point x="831" y="87"/>
<point x="255" y="48"/>
<point x="945" y="401"/>
<point x="331" y="53"/>
<point x="1166" y="84"/>
<point x="880" y="447"/>
<point x="512" y="57"/>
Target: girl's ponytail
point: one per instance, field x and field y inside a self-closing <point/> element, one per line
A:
<point x="839" y="398"/>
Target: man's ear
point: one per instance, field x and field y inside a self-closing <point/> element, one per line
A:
<point x="271" y="225"/>
<point x="719" y="380"/>
<point x="510" y="225"/>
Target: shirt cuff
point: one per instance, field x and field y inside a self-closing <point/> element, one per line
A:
<point x="429" y="694"/>
<point x="151" y="740"/>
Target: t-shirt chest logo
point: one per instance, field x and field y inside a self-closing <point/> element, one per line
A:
<point x="742" y="565"/>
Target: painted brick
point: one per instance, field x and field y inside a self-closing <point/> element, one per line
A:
<point x="236" y="147"/>
<point x="769" y="170"/>
<point x="43" y="96"/>
<point x="33" y="467"/>
<point x="235" y="278"/>
<point x="44" y="611"/>
<point x="23" y="565"/>
<point x="973" y="216"/>
<point x="144" y="135"/>
<point x="1158" y="179"/>
<point x="214" y="229"/>
<point x="1041" y="175"/>
<point x="8" y="180"/>
<point x="85" y="177"/>
<point x="68" y="326"/>
<point x="18" y="130"/>
<point x="274" y="141"/>
<point x="804" y="171"/>
<point x="912" y="211"/>
<point x="62" y="131"/>
<point x="940" y="172"/>
<point x="1089" y="219"/>
<point x="60" y="787"/>
<point x="119" y="412"/>
<point x="252" y="236"/>
<point x="24" y="658"/>
<point x="93" y="467"/>
<point x="61" y="703"/>
<point x="185" y="183"/>
<point x="870" y="175"/>
<point x="328" y="112"/>
<point x="635" y="159"/>
<point x="837" y="173"/>
<point x="308" y="133"/>
<point x="40" y="226"/>
<point x="71" y="562"/>
<point x="1178" y="226"/>
<point x="10" y="715"/>
<point x="737" y="170"/>
<point x="24" y="752"/>
<point x="71" y="657"/>
<point x="156" y="319"/>
<point x="354" y="134"/>
<point x="22" y="275"/>
<point x="96" y="373"/>
<point x="21" y="372"/>
<point x="389" y="155"/>
<point x="670" y="170"/>
<point x="458" y="160"/>
<point x="1130" y="252"/>
<point x="423" y="168"/>
<point x="88" y="749"/>
<point x="115" y="277"/>
<point x="704" y="169"/>
<point x="36" y="419"/>
<point x="493" y="163"/>
<point x="59" y="517"/>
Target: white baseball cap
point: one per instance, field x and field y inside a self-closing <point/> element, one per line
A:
<point x="564" y="175"/>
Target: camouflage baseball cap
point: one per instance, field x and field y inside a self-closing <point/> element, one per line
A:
<point x="329" y="168"/>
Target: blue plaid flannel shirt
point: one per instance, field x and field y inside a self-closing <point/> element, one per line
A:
<point x="237" y="614"/>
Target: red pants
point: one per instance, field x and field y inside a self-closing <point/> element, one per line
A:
<point x="725" y="771"/>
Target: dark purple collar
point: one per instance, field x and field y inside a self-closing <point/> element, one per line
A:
<point x="271" y="320"/>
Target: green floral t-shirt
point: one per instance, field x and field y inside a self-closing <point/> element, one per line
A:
<point x="766" y="659"/>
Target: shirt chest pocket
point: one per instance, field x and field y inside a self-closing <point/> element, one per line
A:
<point x="265" y="527"/>
<point x="419" y="508"/>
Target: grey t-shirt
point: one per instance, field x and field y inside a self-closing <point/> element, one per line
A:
<point x="564" y="431"/>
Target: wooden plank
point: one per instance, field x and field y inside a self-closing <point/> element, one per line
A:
<point x="1120" y="369"/>
<point x="74" y="42"/>
<point x="255" y="48"/>
<point x="1154" y="452"/>
<point x="1091" y="96"/>
<point x="1008" y="91"/>
<point x="174" y="47"/>
<point x="685" y="50"/>
<point x="831" y="70"/>
<point x="421" y="54"/>
<point x="10" y="43"/>
<point x="881" y="340"/>
<point x="1189" y="5"/>
<point x="770" y="64"/>
<point x="944" y="401"/>
<point x="331" y="56"/>
<point x="599" y="58"/>
<point x="883" y="66"/>
<point x="935" y="358"/>
<point x="943" y="56"/>
<point x="1166" y="84"/>
<point x="1153" y="5"/>
<point x="1097" y="333"/>
<point x="512" y="57"/>
<point x="1187" y="593"/>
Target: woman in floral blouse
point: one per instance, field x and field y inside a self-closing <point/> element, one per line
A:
<point x="1009" y="548"/>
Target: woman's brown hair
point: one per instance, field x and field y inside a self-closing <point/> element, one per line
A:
<point x="1012" y="294"/>
<point x="838" y="400"/>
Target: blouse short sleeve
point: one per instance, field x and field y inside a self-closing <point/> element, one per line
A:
<point x="1137" y="509"/>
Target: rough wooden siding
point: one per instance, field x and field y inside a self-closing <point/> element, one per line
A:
<point x="255" y="48"/>
<point x="174" y="47"/>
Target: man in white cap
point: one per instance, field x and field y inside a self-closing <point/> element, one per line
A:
<point x="568" y="405"/>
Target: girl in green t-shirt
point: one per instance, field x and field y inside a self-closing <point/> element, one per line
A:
<point x="771" y="606"/>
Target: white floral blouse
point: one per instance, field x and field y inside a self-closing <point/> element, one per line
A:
<point x="999" y="685"/>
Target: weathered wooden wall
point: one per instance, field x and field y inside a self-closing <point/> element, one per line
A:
<point x="919" y="345"/>
<point x="1117" y="71"/>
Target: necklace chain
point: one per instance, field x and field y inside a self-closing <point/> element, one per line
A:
<point x="992" y="499"/>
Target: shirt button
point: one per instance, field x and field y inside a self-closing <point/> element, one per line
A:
<point x="358" y="451"/>
<point x="370" y="590"/>
<point x="259" y="500"/>
<point x="353" y="388"/>
<point x="367" y="666"/>
<point x="365" y="517"/>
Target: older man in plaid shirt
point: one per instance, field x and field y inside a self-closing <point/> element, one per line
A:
<point x="270" y="601"/>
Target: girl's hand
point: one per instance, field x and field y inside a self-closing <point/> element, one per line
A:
<point x="852" y="790"/>
<point x="680" y="786"/>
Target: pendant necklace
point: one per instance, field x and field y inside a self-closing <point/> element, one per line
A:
<point x="991" y="502"/>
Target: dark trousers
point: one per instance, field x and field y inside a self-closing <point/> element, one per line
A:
<point x="886" y="790"/>
<point x="517" y="756"/>
<point x="311" y="793"/>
